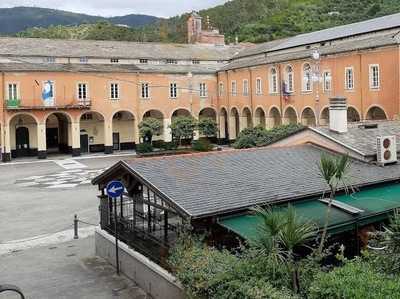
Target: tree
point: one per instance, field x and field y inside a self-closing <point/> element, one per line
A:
<point x="334" y="171"/>
<point x="149" y="127"/>
<point x="182" y="127"/>
<point x="281" y="235"/>
<point x="208" y="127"/>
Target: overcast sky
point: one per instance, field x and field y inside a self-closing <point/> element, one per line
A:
<point x="161" y="8"/>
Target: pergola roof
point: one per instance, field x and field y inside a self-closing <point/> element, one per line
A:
<point x="211" y="184"/>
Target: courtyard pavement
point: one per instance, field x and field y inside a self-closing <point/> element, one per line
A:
<point x="38" y="201"/>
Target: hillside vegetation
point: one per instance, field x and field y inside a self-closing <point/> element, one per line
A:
<point x="250" y="20"/>
<point x="13" y="20"/>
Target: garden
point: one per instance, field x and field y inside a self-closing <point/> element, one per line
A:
<point x="292" y="258"/>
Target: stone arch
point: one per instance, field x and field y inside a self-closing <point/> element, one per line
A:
<point x="290" y="116"/>
<point x="353" y="115"/>
<point x="181" y="112"/>
<point x="376" y="113"/>
<point x="208" y="112"/>
<point x="274" y="117"/>
<point x="308" y="117"/>
<point x="234" y="123"/>
<point x="123" y="130"/>
<point x="259" y="117"/>
<point x="58" y="132"/>
<point x="92" y="127"/>
<point x="246" y="121"/>
<point x="324" y="116"/>
<point x="23" y="135"/>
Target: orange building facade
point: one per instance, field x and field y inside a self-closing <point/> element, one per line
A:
<point x="85" y="96"/>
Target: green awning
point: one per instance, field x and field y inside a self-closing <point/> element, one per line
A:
<point x="376" y="204"/>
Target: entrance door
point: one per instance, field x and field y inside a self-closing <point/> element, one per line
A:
<point x="116" y="145"/>
<point x="84" y="143"/>
<point x="22" y="141"/>
<point x="52" y="138"/>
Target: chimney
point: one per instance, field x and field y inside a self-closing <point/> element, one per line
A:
<point x="338" y="114"/>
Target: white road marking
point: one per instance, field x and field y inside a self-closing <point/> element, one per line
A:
<point x="70" y="164"/>
<point x="44" y="240"/>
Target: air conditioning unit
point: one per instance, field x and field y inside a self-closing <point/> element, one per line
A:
<point x="386" y="150"/>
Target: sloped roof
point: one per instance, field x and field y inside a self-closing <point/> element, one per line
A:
<point x="367" y="42"/>
<point x="339" y="32"/>
<point x="118" y="49"/>
<point x="217" y="183"/>
<point x="364" y="140"/>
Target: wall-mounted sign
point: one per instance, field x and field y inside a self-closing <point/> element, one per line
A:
<point x="48" y="93"/>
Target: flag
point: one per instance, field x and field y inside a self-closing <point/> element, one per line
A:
<point x="48" y="93"/>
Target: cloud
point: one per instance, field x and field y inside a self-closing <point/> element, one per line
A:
<point x="163" y="8"/>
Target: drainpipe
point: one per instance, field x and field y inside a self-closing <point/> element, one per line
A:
<point x="228" y="113"/>
<point x="3" y="121"/>
<point x="361" y="87"/>
<point x="251" y="94"/>
<point x="280" y="93"/>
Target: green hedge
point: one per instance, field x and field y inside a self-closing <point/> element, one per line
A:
<point x="144" y="148"/>
<point x="355" y="280"/>
<point x="259" y="136"/>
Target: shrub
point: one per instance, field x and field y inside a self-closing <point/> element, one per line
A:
<point x="259" y="136"/>
<point x="168" y="146"/>
<point x="208" y="127"/>
<point x="357" y="280"/>
<point x="182" y="127"/>
<point x="149" y="127"/>
<point x="202" y="145"/>
<point x="144" y="148"/>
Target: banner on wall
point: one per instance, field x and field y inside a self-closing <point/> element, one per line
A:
<point x="48" y="93"/>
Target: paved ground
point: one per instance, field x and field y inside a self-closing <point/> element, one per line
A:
<point x="38" y="200"/>
<point x="65" y="271"/>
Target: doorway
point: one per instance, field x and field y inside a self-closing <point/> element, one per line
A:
<point x="84" y="142"/>
<point x="52" y="139"/>
<point x="22" y="142"/>
<point x="116" y="143"/>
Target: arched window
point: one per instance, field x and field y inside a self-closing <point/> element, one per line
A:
<point x="273" y="82"/>
<point x="289" y="79"/>
<point x="307" y="84"/>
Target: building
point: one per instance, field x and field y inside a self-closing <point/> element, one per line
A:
<point x="88" y="96"/>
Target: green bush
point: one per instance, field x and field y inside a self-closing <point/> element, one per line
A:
<point x="144" y="148"/>
<point x="355" y="280"/>
<point x="202" y="145"/>
<point x="259" y="136"/>
<point x="169" y="146"/>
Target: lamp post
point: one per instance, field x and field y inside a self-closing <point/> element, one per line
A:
<point x="316" y="56"/>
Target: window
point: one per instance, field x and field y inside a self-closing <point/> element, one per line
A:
<point x="144" y="61"/>
<point x="13" y="91"/>
<point x="203" y="89"/>
<point x="114" y="91"/>
<point x="374" y="80"/>
<point x="327" y="81"/>
<point x="173" y="90"/>
<point x="307" y="85"/>
<point x="195" y="61"/>
<point x="83" y="60"/>
<point x="233" y="88"/>
<point x="82" y="91"/>
<point x="273" y="81"/>
<point x="172" y="61"/>
<point x="87" y="116"/>
<point x="221" y="89"/>
<point x="114" y="60"/>
<point x="245" y="87"/>
<point x="258" y="86"/>
<point x="349" y="78"/>
<point x="50" y="59"/>
<point x="289" y="79"/>
<point x="145" y="91"/>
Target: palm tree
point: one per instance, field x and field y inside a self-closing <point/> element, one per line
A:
<point x="334" y="171"/>
<point x="281" y="235"/>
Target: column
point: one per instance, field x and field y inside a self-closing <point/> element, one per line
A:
<point x="196" y="132"/>
<point x="136" y="133"/>
<point x="76" y="139"/>
<point x="242" y="123"/>
<point x="232" y="128"/>
<point x="221" y="126"/>
<point x="108" y="137"/>
<point x="167" y="130"/>
<point x="6" y="144"/>
<point x="41" y="136"/>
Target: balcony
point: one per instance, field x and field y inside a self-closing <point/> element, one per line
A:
<point x="38" y="104"/>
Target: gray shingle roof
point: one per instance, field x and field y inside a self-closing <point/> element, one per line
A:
<point x="364" y="140"/>
<point x="109" y="68"/>
<point x="217" y="183"/>
<point x="118" y="49"/>
<point x="377" y="24"/>
<point x="367" y="42"/>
